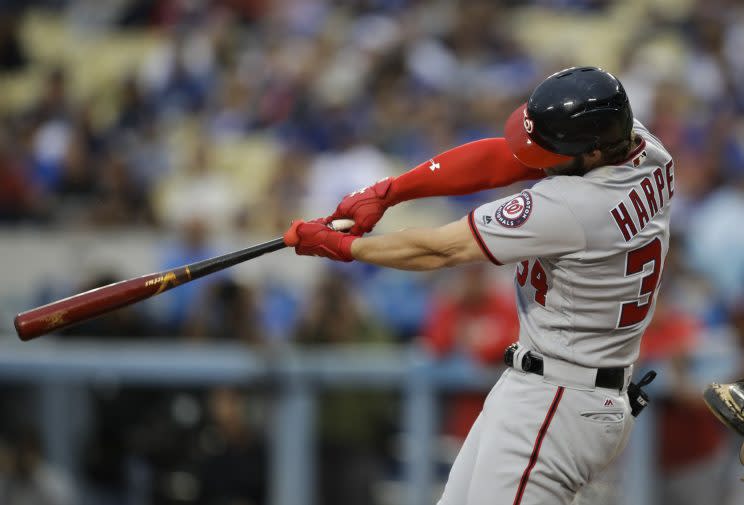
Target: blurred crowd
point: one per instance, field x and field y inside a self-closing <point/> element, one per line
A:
<point x="235" y="116"/>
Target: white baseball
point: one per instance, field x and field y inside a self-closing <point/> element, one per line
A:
<point x="341" y="224"/>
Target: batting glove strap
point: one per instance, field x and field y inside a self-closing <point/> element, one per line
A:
<point x="314" y="238"/>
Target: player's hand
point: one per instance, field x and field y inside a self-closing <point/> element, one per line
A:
<point x="365" y="207"/>
<point x="315" y="238"/>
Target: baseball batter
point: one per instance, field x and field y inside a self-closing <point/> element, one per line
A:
<point x="588" y="241"/>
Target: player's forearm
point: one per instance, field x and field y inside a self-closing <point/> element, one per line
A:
<point x="422" y="249"/>
<point x="416" y="249"/>
<point x="406" y="250"/>
<point x="472" y="167"/>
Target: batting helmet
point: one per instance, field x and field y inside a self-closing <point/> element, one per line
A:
<point x="572" y="112"/>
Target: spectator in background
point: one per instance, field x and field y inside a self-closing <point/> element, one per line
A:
<point x="335" y="316"/>
<point x="77" y="178"/>
<point x="226" y="311"/>
<point x="54" y="102"/>
<point x="20" y="198"/>
<point x="475" y="318"/>
<point x="119" y="201"/>
<point x="26" y="479"/>
<point x="353" y="425"/>
<point x="202" y="192"/>
<point x="12" y="52"/>
<point x="234" y="113"/>
<point x="142" y="447"/>
<point x="715" y="240"/>
<point x="399" y="300"/>
<point x="172" y="309"/>
<point x="282" y="200"/>
<point x="51" y="118"/>
<point x="134" y="110"/>
<point x="233" y="468"/>
<point x="180" y="74"/>
<point x="137" y="132"/>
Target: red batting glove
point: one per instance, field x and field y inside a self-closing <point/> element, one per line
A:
<point x="315" y="238"/>
<point x="365" y="207"/>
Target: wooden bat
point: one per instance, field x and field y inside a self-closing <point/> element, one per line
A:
<point x="78" y="308"/>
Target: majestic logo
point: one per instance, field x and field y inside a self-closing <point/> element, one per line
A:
<point x="608" y="403"/>
<point x="486" y="219"/>
<point x="529" y="125"/>
<point x="433" y="165"/>
<point x="516" y="211"/>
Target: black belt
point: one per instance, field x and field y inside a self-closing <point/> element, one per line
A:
<point x="610" y="378"/>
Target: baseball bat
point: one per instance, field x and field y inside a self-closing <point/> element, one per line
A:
<point x="83" y="306"/>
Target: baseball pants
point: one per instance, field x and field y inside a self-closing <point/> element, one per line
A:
<point x="537" y="443"/>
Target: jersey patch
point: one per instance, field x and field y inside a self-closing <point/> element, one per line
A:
<point x="516" y="211"/>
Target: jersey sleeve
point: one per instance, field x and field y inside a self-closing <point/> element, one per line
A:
<point x="533" y="223"/>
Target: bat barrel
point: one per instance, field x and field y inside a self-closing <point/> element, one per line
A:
<point x="75" y="309"/>
<point x="83" y="306"/>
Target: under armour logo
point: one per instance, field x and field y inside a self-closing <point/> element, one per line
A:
<point x="608" y="403"/>
<point x="433" y="166"/>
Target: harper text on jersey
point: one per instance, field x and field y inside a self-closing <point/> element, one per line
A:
<point x="645" y="207"/>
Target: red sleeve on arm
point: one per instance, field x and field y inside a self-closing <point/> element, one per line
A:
<point x="472" y="167"/>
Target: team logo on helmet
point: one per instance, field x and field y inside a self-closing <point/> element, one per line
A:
<point x="529" y="125"/>
<point x="516" y="211"/>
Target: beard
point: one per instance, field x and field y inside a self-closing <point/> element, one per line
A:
<point x="575" y="167"/>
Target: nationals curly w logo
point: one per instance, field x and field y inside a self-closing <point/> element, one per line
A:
<point x="529" y="125"/>
<point x="516" y="211"/>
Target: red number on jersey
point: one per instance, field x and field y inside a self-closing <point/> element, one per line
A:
<point x="538" y="280"/>
<point x="634" y="312"/>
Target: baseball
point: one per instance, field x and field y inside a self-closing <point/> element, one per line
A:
<point x="341" y="224"/>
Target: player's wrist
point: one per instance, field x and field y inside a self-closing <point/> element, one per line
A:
<point x="385" y="192"/>
<point x="346" y="247"/>
<point x="355" y="245"/>
<point x="393" y="194"/>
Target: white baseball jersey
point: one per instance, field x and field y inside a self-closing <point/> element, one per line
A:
<point x="590" y="250"/>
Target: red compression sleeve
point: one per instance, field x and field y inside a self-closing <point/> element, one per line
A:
<point x="479" y="165"/>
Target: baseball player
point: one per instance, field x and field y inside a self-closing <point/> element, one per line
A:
<point x="588" y="241"/>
